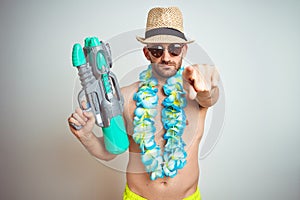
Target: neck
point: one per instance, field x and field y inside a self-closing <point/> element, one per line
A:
<point x="160" y="79"/>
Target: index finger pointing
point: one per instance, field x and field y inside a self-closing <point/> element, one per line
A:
<point x="188" y="73"/>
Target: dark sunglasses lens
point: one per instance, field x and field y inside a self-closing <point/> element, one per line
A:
<point x="175" y="49"/>
<point x="156" y="51"/>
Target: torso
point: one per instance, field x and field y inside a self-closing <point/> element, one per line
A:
<point x="186" y="181"/>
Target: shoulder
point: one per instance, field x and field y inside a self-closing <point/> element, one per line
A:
<point x="129" y="103"/>
<point x="128" y="92"/>
<point x="130" y="89"/>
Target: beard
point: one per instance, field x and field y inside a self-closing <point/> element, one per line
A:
<point x="165" y="69"/>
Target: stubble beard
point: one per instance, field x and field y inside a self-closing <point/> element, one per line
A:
<point x="164" y="69"/>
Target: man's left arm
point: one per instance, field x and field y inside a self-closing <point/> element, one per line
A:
<point x="201" y="82"/>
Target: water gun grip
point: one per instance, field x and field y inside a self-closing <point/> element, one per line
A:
<point x="115" y="136"/>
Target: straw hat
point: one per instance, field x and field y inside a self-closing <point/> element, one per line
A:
<point x="164" y="25"/>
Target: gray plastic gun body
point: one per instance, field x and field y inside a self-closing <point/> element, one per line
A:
<point x="101" y="89"/>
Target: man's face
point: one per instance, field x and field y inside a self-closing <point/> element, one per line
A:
<point x="166" y="59"/>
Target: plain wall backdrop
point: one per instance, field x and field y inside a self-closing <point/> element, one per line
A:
<point x="255" y="45"/>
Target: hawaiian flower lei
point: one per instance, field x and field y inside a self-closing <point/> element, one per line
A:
<point x="159" y="164"/>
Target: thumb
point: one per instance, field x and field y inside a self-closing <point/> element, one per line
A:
<point x="191" y="92"/>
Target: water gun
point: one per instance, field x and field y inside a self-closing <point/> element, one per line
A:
<point x="102" y="92"/>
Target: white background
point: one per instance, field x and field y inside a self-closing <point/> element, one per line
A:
<point x="255" y="45"/>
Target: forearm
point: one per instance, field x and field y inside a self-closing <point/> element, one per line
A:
<point x="209" y="98"/>
<point x="95" y="146"/>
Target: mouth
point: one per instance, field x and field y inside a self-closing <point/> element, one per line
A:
<point x="167" y="66"/>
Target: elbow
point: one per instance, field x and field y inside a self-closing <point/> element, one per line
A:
<point x="107" y="157"/>
<point x="110" y="157"/>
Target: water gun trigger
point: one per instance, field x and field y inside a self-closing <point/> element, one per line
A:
<point x="81" y="98"/>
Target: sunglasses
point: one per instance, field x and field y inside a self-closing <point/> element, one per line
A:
<point x="158" y="50"/>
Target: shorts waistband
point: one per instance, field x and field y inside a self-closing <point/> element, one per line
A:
<point x="129" y="195"/>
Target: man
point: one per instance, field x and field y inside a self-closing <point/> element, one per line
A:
<point x="164" y="114"/>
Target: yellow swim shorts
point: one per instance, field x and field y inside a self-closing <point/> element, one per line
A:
<point x="129" y="195"/>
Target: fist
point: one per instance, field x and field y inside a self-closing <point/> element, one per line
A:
<point x="83" y="119"/>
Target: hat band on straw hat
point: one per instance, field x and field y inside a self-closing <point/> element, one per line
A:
<point x="164" y="31"/>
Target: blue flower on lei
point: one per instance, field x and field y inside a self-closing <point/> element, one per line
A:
<point x="146" y="98"/>
<point x="174" y="161"/>
<point x="175" y="97"/>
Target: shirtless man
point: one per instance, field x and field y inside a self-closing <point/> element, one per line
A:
<point x="165" y="48"/>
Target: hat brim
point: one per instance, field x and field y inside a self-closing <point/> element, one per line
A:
<point x="163" y="39"/>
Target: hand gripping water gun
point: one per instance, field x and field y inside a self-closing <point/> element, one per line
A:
<point x="101" y="89"/>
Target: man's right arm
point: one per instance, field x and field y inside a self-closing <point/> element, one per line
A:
<point x="94" y="145"/>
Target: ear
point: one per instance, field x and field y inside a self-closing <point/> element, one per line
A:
<point x="146" y="53"/>
<point x="184" y="50"/>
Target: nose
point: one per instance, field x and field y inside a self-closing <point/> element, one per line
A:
<point x="166" y="56"/>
